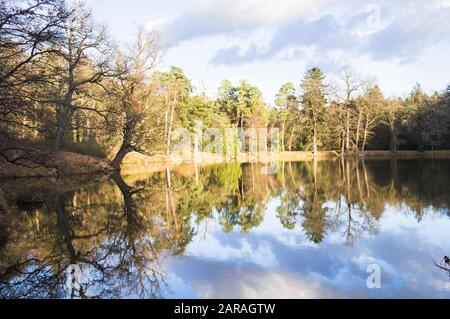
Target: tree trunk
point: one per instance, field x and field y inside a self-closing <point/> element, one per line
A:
<point x="60" y="135"/>
<point x="290" y="140"/>
<point x="347" y="130"/>
<point x="123" y="151"/>
<point x="282" y="136"/>
<point x="393" y="140"/>
<point x="125" y="148"/>
<point x="62" y="120"/>
<point x="169" y="130"/>
<point x="366" y="128"/>
<point x="63" y="112"/>
<point x="315" y="140"/>
<point x="358" y="129"/>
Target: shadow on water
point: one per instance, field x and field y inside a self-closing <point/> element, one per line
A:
<point x="111" y="238"/>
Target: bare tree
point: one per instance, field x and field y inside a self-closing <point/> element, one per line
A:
<point x="345" y="94"/>
<point x="82" y="60"/>
<point x="132" y="92"/>
<point x="28" y="32"/>
<point x="370" y="109"/>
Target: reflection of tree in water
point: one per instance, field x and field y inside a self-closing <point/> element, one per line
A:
<point x="245" y="203"/>
<point x="314" y="211"/>
<point x="289" y="208"/>
<point x="351" y="215"/>
<point x="115" y="251"/>
<point x="309" y="196"/>
<point x="349" y="196"/>
<point x="119" y="232"/>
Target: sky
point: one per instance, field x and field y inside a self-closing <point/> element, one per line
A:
<point x="397" y="43"/>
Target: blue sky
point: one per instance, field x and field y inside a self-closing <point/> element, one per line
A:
<point x="269" y="42"/>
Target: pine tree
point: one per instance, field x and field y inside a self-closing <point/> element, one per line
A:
<point x="313" y="103"/>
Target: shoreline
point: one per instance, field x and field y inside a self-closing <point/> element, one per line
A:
<point x="72" y="164"/>
<point x="136" y="163"/>
<point x="136" y="158"/>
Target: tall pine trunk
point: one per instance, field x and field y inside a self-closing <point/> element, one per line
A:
<point x="315" y="140"/>
<point x="393" y="143"/>
<point x="315" y="135"/>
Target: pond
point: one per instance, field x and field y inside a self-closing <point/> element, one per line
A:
<point x="319" y="229"/>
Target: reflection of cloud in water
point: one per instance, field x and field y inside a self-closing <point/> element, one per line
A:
<point x="263" y="284"/>
<point x="272" y="262"/>
<point x="211" y="248"/>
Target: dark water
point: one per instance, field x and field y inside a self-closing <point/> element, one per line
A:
<point x="306" y="231"/>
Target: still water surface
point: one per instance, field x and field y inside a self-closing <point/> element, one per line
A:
<point x="309" y="230"/>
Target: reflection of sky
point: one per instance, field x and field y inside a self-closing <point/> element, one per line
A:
<point x="273" y="262"/>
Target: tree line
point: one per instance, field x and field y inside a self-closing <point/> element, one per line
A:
<point x="65" y="85"/>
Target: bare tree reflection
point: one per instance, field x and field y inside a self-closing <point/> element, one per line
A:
<point x="116" y="259"/>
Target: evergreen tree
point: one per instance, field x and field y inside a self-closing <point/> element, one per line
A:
<point x="313" y="103"/>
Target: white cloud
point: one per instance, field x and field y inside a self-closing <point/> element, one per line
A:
<point x="157" y="24"/>
<point x="269" y="42"/>
<point x="212" y="17"/>
<point x="257" y="12"/>
<point x="445" y="3"/>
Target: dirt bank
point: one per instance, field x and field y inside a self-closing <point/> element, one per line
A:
<point x="55" y="164"/>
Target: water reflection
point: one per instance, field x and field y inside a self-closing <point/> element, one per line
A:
<point x="230" y="231"/>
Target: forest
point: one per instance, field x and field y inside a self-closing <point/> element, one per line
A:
<point x="66" y="85"/>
